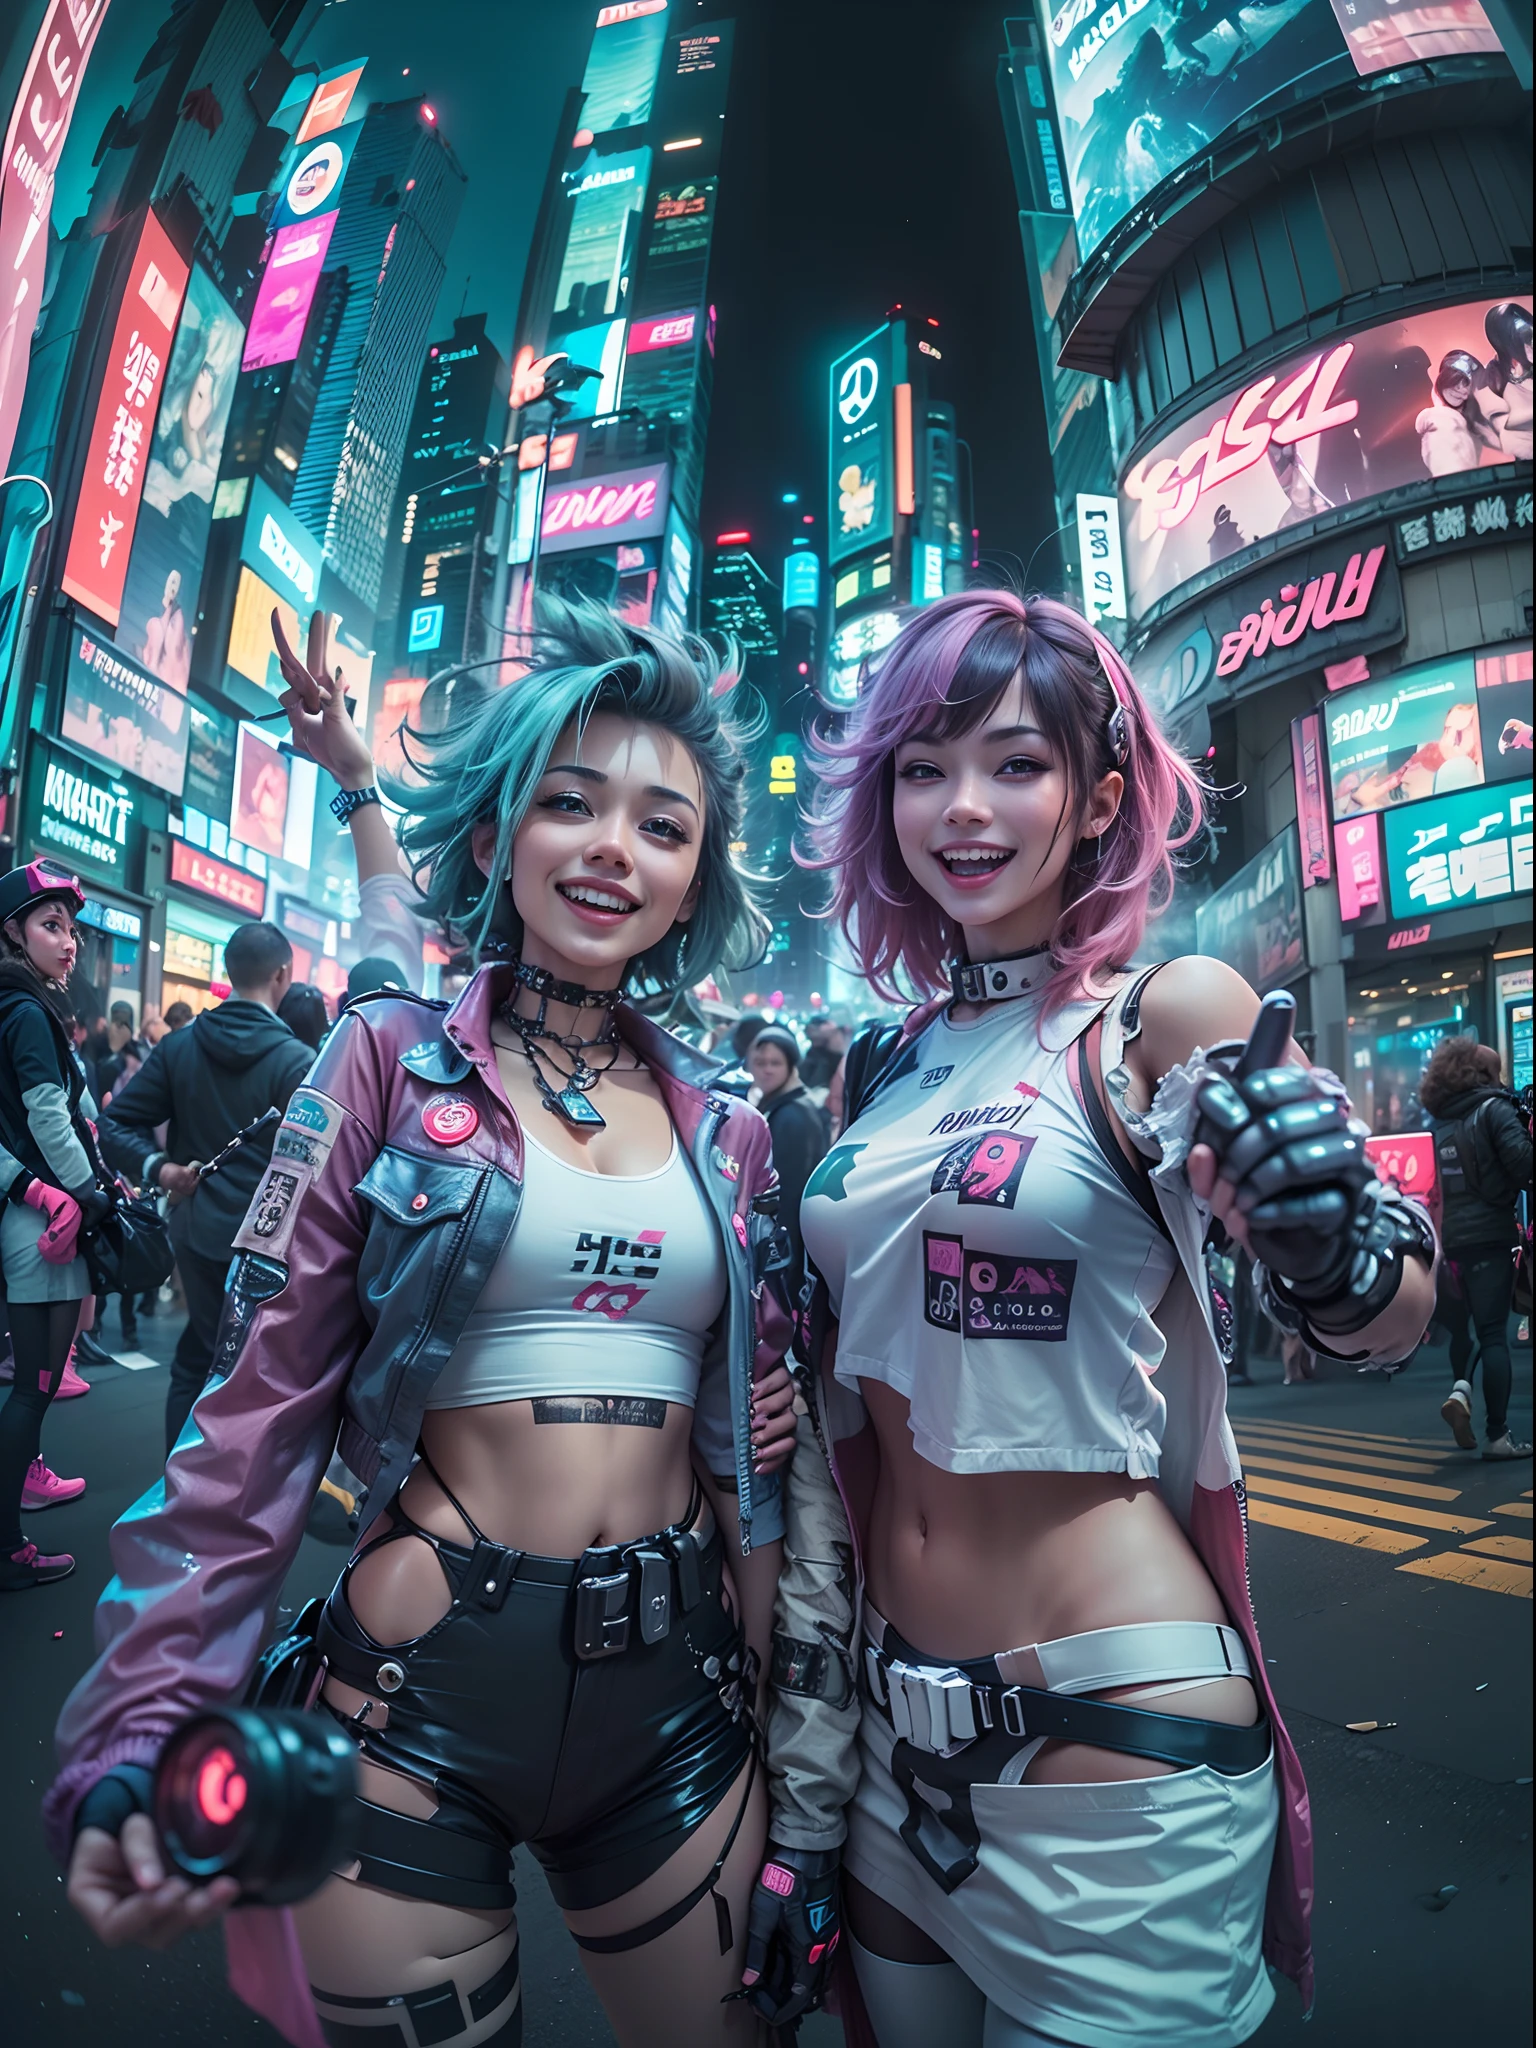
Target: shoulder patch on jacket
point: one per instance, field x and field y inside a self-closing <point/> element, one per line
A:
<point x="299" y="1153"/>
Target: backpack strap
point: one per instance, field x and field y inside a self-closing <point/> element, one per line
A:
<point x="1086" y="1086"/>
<point x="864" y="1066"/>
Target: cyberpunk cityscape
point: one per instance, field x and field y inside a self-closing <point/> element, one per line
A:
<point x="778" y="324"/>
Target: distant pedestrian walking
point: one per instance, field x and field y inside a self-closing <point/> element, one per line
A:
<point x="1483" y="1158"/>
<point x="207" y="1082"/>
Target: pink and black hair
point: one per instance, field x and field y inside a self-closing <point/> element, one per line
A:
<point x="942" y="676"/>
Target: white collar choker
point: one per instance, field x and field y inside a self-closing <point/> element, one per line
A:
<point x="996" y="981"/>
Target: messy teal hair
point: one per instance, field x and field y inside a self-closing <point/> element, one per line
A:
<point x="486" y="766"/>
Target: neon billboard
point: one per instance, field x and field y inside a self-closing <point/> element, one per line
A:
<point x="629" y="505"/>
<point x="122" y="434"/>
<point x="1436" y="394"/>
<point x="287" y="292"/>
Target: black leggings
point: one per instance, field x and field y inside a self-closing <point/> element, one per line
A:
<point x="1487" y="1280"/>
<point x="41" y="1334"/>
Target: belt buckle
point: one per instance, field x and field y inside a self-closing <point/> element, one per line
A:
<point x="1012" y="1704"/>
<point x="602" y="1616"/>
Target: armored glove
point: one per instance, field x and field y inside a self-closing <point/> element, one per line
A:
<point x="792" y="1932"/>
<point x="1300" y="1174"/>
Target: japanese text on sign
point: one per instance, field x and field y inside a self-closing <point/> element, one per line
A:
<point x="1472" y="847"/>
<point x="113" y="478"/>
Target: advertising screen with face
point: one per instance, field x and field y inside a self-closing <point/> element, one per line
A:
<point x="118" y="713"/>
<point x="1435" y="394"/>
<point x="1141" y="89"/>
<point x="165" y="569"/>
<point x="620" y="78"/>
<point x="1414" y="735"/>
<point x="606" y="196"/>
<point x="260" y="814"/>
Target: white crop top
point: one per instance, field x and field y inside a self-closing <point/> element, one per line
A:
<point x="985" y="1260"/>
<point x="606" y="1286"/>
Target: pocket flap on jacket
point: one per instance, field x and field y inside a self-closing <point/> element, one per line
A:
<point x="414" y="1190"/>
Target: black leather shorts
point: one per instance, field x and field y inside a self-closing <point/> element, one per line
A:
<point x="604" y="1764"/>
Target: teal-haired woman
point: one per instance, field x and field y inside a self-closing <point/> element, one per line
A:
<point x="519" y="1255"/>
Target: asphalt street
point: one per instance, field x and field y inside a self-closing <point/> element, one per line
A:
<point x="1392" y="1576"/>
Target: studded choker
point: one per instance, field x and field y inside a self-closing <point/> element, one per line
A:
<point x="995" y="981"/>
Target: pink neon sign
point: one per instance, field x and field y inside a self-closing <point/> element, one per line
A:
<point x="669" y="331"/>
<point x="629" y="505"/>
<point x="287" y="292"/>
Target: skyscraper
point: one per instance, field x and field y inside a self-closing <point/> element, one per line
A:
<point x="618" y="279"/>
<point x="399" y="205"/>
<point x="443" y="529"/>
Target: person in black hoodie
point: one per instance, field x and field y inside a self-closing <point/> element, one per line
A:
<point x="1483" y="1161"/>
<point x="52" y="1191"/>
<point x="799" y="1130"/>
<point x="207" y="1083"/>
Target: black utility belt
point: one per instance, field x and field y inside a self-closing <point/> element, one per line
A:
<point x="631" y="1587"/>
<point x="944" y="1712"/>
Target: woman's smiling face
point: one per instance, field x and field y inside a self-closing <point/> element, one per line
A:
<point x="606" y="860"/>
<point x="986" y="823"/>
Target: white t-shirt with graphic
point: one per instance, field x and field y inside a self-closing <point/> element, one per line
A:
<point x="985" y="1260"/>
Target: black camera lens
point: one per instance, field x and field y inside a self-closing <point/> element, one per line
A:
<point x="262" y="1796"/>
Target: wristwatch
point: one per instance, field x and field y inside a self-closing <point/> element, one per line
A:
<point x="346" y="801"/>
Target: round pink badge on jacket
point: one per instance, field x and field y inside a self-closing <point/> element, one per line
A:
<point x="449" y="1119"/>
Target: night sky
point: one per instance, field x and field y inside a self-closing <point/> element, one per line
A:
<point x="864" y="166"/>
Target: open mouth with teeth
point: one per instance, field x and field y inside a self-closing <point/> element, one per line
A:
<point x="974" y="863"/>
<point x="594" y="901"/>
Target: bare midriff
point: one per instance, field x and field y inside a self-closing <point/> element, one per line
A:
<point x="965" y="1565"/>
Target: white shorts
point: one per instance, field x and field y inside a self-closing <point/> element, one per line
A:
<point x="1111" y="1916"/>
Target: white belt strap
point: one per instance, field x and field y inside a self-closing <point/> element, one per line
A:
<point x="1138" y="1654"/>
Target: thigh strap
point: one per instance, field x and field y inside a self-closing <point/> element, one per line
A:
<point x="426" y="1859"/>
<point x="637" y="1937"/>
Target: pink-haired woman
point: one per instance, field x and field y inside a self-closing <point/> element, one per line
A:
<point x="1026" y="1664"/>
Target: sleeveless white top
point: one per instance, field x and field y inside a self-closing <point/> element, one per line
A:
<point x="985" y="1260"/>
<point x="605" y="1286"/>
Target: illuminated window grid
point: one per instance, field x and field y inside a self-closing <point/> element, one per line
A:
<point x="1279" y="1457"/>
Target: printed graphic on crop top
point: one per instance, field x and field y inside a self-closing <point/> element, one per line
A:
<point x="606" y="1286"/>
<point x="619" y="1264"/>
<point x="985" y="1260"/>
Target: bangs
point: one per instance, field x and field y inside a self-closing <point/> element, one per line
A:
<point x="990" y="662"/>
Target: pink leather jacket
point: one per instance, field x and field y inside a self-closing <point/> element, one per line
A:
<point x="395" y="1181"/>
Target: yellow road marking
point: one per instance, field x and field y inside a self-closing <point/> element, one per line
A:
<point x="1344" y="1446"/>
<point x="1355" y="1460"/>
<point x="1488" y="1574"/>
<point x="1378" y="1510"/>
<point x="1413" y="1445"/>
<point x="1359" y="1535"/>
<point x="1361" y="1479"/>
<point x="1519" y="1548"/>
<point x="1514" y="1507"/>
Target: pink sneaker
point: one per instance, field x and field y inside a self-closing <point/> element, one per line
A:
<point x="29" y="1567"/>
<point x="45" y="1489"/>
<point x="70" y="1382"/>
